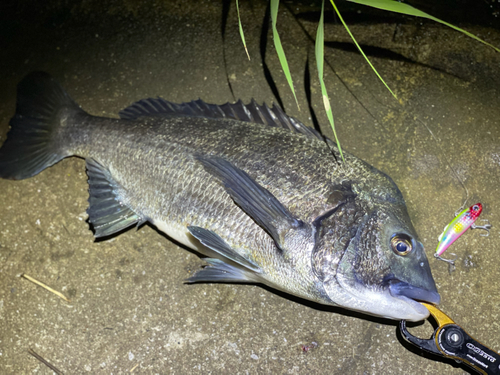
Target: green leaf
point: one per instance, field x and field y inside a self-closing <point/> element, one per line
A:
<point x="396" y="6"/>
<point x="242" y="35"/>
<point x="279" y="48"/>
<point x="360" y="50"/>
<point x="320" y="54"/>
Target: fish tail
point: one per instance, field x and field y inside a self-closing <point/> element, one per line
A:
<point x="33" y="142"/>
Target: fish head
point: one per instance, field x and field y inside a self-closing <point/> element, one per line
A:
<point x="375" y="264"/>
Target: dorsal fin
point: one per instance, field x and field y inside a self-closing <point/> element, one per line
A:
<point x="252" y="112"/>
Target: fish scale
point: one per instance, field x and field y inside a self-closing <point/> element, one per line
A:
<point x="207" y="205"/>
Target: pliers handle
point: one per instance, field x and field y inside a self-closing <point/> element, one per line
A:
<point x="451" y="341"/>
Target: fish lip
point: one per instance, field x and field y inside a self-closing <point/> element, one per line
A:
<point x="399" y="289"/>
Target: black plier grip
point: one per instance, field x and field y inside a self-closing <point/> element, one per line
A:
<point x="451" y="341"/>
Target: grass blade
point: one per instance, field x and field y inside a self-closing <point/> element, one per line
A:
<point x="242" y="35"/>
<point x="360" y="50"/>
<point x="396" y="6"/>
<point x="35" y="281"/>
<point x="319" y="50"/>
<point x="279" y="48"/>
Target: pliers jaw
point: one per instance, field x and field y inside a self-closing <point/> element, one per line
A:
<point x="429" y="345"/>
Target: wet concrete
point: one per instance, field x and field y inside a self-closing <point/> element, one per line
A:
<point x="129" y="309"/>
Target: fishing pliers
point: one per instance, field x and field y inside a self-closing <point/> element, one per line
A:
<point x="451" y="341"/>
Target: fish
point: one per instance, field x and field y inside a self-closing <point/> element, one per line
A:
<point x="263" y="197"/>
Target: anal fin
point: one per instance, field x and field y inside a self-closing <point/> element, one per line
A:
<point x="107" y="213"/>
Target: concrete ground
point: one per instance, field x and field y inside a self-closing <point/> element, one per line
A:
<point x="129" y="309"/>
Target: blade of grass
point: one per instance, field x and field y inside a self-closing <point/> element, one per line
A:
<point x="35" y="281"/>
<point x="242" y="35"/>
<point x="396" y="6"/>
<point x="45" y="362"/>
<point x="360" y="50"/>
<point x="279" y="48"/>
<point x="319" y="50"/>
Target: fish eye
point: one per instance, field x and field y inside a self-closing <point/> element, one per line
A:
<point x="401" y="244"/>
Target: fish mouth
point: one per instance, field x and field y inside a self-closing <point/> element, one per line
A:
<point x="401" y="289"/>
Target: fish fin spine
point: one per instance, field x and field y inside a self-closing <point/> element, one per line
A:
<point x="252" y="112"/>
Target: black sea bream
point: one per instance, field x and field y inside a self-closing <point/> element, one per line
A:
<point x="258" y="192"/>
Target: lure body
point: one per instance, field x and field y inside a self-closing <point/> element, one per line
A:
<point x="457" y="227"/>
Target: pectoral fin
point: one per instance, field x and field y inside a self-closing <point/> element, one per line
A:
<point x="255" y="200"/>
<point x="107" y="213"/>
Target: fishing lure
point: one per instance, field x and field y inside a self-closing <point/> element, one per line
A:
<point x="463" y="221"/>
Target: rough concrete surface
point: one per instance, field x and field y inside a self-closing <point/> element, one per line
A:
<point x="129" y="309"/>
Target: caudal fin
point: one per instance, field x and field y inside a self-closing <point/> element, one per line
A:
<point x="30" y="146"/>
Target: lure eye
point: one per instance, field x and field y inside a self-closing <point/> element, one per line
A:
<point x="475" y="207"/>
<point x="401" y="244"/>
